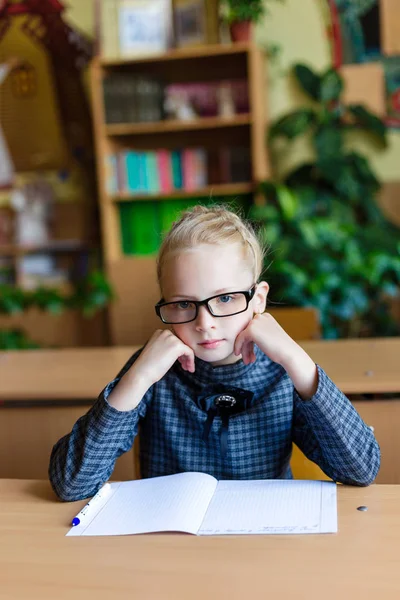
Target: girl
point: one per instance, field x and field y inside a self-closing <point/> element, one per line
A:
<point x="224" y="390"/>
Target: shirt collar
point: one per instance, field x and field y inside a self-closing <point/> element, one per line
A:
<point x="206" y="373"/>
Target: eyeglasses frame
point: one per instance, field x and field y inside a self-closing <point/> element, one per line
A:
<point x="249" y="295"/>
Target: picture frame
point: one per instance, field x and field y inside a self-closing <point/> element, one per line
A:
<point x="195" y="22"/>
<point x="145" y="27"/>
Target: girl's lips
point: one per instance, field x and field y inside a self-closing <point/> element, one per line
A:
<point x="211" y="344"/>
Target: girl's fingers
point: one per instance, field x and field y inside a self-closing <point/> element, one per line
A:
<point x="187" y="360"/>
<point x="248" y="352"/>
<point x="190" y="361"/>
<point x="238" y="344"/>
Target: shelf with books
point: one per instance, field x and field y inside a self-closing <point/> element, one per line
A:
<point x="210" y="191"/>
<point x="169" y="126"/>
<point x="143" y="223"/>
<point x="152" y="165"/>
<point x="60" y="246"/>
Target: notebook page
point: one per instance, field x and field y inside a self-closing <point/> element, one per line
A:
<point x="271" y="506"/>
<point x="171" y="503"/>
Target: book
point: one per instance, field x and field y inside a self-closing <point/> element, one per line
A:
<point x="153" y="177"/>
<point x="110" y="174"/>
<point x="198" y="504"/>
<point x="171" y="209"/>
<point x="132" y="172"/>
<point x="164" y="166"/>
<point x="140" y="229"/>
<point x="177" y="174"/>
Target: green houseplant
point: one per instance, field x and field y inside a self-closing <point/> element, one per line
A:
<point x="89" y="295"/>
<point x="240" y="14"/>
<point x="331" y="246"/>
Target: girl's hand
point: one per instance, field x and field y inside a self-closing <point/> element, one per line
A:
<point x="156" y="358"/>
<point x="264" y="331"/>
<point x="162" y="350"/>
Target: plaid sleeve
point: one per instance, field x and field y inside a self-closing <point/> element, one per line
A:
<point x="331" y="433"/>
<point x="84" y="459"/>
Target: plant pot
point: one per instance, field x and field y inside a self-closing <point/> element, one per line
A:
<point x="241" y="31"/>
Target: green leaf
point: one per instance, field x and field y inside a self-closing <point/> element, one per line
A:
<point x="308" y="80"/>
<point x="328" y="142"/>
<point x="12" y="300"/>
<point x="309" y="234"/>
<point x="239" y="10"/>
<point x="15" y="339"/>
<point x="288" y="201"/>
<point x="50" y="300"/>
<point x="363" y="170"/>
<point x="367" y="120"/>
<point x="264" y="214"/>
<point x="292" y="125"/>
<point x="331" y="86"/>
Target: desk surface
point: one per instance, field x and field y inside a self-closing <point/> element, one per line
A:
<point x="37" y="561"/>
<point x="356" y="366"/>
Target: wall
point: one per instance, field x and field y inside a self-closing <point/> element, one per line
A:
<point x="298" y="26"/>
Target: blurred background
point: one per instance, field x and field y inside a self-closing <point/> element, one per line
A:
<point x="116" y="115"/>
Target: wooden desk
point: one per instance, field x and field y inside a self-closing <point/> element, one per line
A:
<point x="43" y="392"/>
<point x="37" y="561"/>
<point x="356" y="366"/>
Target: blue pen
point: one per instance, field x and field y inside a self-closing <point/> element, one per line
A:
<point x="100" y="494"/>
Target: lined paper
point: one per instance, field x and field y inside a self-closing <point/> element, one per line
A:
<point x="271" y="506"/>
<point x="171" y="503"/>
<point x="197" y="503"/>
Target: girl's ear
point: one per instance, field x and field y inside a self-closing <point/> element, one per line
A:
<point x="260" y="297"/>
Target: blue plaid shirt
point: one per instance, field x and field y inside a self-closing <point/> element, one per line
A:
<point x="326" y="428"/>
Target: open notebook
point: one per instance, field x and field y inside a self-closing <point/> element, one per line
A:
<point x="199" y="504"/>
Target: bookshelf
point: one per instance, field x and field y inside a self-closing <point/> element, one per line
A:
<point x="133" y="275"/>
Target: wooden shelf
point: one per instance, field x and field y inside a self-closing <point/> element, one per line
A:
<point x="207" y="63"/>
<point x="54" y="246"/>
<point x="226" y="189"/>
<point x="206" y="51"/>
<point x="171" y="125"/>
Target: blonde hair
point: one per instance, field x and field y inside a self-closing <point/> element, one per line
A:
<point x="212" y="225"/>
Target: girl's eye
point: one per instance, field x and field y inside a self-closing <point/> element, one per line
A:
<point x="225" y="299"/>
<point x="183" y="305"/>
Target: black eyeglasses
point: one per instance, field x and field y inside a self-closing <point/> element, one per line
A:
<point x="223" y="305"/>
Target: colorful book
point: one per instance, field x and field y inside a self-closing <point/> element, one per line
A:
<point x="199" y="161"/>
<point x="164" y="167"/>
<point x="132" y="172"/>
<point x="177" y="174"/>
<point x="171" y="209"/>
<point x="140" y="227"/>
<point x="152" y="173"/>
<point x="125" y="210"/>
<point x="188" y="170"/>
<point x="143" y="175"/>
<point x="122" y="171"/>
<point x="110" y="174"/>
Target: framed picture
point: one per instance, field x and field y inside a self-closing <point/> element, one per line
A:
<point x="145" y="27"/>
<point x="196" y="22"/>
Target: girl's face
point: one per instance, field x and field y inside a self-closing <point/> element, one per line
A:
<point x="201" y="273"/>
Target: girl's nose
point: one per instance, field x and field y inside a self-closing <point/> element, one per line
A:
<point x="204" y="319"/>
